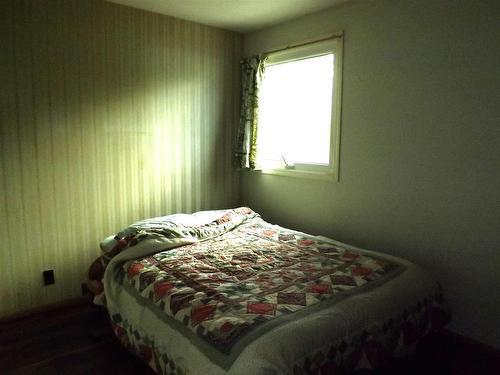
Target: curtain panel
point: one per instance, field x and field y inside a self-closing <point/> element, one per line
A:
<point x="252" y="71"/>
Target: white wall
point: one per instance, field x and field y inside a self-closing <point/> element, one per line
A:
<point x="108" y="115"/>
<point x="420" y="145"/>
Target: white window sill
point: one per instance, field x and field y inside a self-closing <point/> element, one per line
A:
<point x="299" y="173"/>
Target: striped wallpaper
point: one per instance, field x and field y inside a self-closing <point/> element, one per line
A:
<point x="108" y="115"/>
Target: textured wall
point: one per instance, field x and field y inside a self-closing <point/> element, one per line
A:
<point x="108" y="115"/>
<point x="419" y="149"/>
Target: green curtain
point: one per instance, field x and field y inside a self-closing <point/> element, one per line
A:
<point x="252" y="71"/>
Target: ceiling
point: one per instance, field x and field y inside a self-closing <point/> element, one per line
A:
<point x="236" y="15"/>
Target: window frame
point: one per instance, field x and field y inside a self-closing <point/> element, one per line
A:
<point x="304" y="51"/>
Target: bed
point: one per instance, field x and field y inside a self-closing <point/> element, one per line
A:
<point x="219" y="292"/>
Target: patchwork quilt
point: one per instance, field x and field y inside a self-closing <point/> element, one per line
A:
<point x="239" y="295"/>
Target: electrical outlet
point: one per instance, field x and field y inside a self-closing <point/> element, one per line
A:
<point x="48" y="277"/>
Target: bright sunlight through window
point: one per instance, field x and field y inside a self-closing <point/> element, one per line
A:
<point x="295" y="109"/>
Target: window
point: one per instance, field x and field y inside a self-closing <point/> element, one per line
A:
<point x="299" y="111"/>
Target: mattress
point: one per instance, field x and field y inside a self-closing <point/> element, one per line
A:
<point x="224" y="292"/>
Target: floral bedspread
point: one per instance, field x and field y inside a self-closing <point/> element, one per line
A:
<point x="225" y="292"/>
<point x="227" y="286"/>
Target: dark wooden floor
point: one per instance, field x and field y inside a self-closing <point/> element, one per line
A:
<point x="78" y="340"/>
<point x="448" y="354"/>
<point x="73" y="341"/>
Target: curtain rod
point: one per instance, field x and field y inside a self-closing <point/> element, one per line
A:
<point x="305" y="43"/>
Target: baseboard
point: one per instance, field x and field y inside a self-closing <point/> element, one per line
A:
<point x="44" y="309"/>
<point x="43" y="319"/>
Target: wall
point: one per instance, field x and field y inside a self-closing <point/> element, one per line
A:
<point x="420" y="145"/>
<point x="108" y="115"/>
